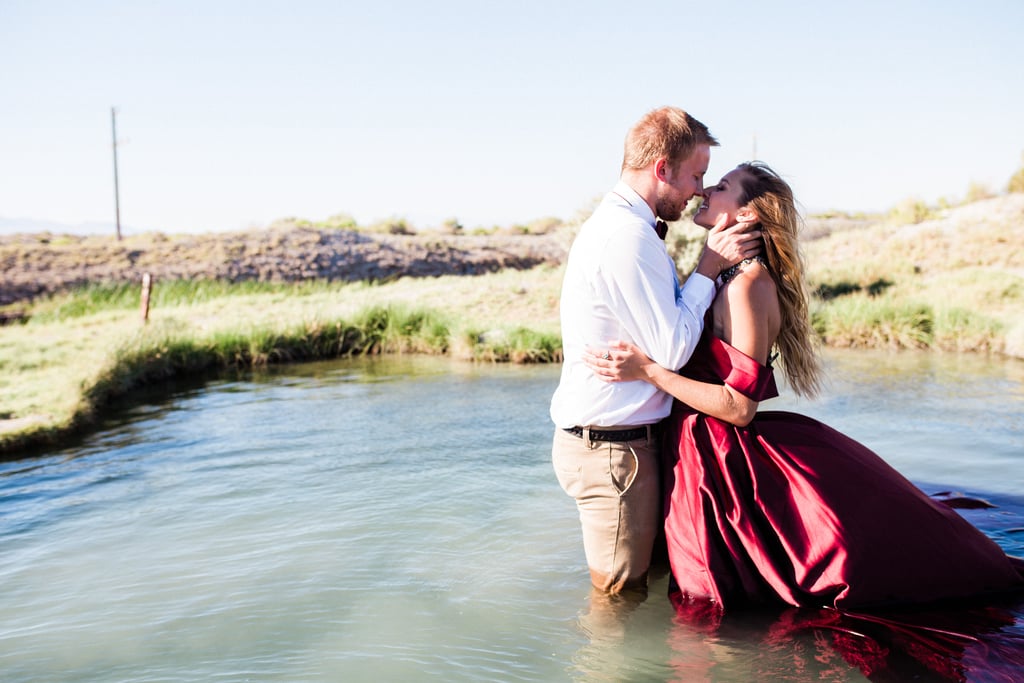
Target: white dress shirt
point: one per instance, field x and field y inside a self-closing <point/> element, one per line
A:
<point x="620" y="283"/>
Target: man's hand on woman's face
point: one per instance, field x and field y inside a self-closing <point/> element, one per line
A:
<point x="730" y="244"/>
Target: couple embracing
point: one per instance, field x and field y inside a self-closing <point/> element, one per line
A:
<point x="656" y="412"/>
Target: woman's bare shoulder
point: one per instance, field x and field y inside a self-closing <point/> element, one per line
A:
<point x="755" y="286"/>
<point x="750" y="318"/>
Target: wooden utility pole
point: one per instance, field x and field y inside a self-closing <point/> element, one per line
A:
<point x="117" y="198"/>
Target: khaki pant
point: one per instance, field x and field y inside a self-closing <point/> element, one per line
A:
<point x="617" y="487"/>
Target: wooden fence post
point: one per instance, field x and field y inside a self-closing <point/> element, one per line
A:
<point x="147" y="286"/>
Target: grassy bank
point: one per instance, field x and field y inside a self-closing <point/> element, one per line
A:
<point x="953" y="283"/>
<point x="78" y="351"/>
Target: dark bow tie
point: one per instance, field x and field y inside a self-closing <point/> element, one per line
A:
<point x="661" y="228"/>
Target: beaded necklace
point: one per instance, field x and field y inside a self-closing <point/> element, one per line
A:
<point x="734" y="270"/>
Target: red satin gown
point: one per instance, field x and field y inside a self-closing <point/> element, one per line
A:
<point x="788" y="510"/>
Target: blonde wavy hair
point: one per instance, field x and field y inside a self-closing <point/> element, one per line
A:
<point x="771" y="198"/>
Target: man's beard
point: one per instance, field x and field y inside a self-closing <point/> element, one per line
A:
<point x="669" y="211"/>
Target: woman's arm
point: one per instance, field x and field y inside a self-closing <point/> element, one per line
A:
<point x="627" y="363"/>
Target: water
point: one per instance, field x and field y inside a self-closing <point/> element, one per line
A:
<point x="398" y="520"/>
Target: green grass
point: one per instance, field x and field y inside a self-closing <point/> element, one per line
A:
<point x="860" y="321"/>
<point x="165" y="350"/>
<point x="518" y="345"/>
<point x="81" y="350"/>
<point x="94" y="298"/>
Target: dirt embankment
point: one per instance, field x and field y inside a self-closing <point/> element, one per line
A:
<point x="40" y="264"/>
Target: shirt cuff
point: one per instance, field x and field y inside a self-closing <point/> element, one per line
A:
<point x="699" y="289"/>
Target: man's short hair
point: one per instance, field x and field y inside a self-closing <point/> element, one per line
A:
<point x="666" y="132"/>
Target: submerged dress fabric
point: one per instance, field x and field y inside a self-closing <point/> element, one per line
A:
<point x="788" y="510"/>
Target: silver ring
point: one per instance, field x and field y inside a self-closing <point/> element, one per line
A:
<point x="607" y="356"/>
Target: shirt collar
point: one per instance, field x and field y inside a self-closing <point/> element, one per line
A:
<point x="635" y="201"/>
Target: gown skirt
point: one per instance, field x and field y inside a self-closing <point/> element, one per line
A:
<point x="790" y="511"/>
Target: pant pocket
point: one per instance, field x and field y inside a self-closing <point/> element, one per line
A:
<point x="623" y="465"/>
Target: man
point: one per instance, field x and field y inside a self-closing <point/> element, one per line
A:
<point x="620" y="283"/>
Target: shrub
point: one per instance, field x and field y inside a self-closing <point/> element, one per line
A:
<point x="392" y="226"/>
<point x="543" y="226"/>
<point x="910" y="211"/>
<point x="339" y="221"/>
<point x="452" y="226"/>
<point x="976" y="192"/>
<point x="1016" y="183"/>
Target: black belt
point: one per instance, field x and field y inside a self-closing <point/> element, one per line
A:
<point x="616" y="435"/>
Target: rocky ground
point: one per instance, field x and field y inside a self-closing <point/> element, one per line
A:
<point x="33" y="265"/>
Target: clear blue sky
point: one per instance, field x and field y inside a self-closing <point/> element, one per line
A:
<point x="232" y="114"/>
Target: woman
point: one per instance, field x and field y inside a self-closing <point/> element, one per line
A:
<point x="776" y="507"/>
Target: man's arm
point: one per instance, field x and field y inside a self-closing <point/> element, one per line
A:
<point x="640" y="283"/>
<point x="640" y="287"/>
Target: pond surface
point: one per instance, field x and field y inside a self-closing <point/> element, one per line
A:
<point x="398" y="520"/>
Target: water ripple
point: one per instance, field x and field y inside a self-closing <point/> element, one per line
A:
<point x="348" y="521"/>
